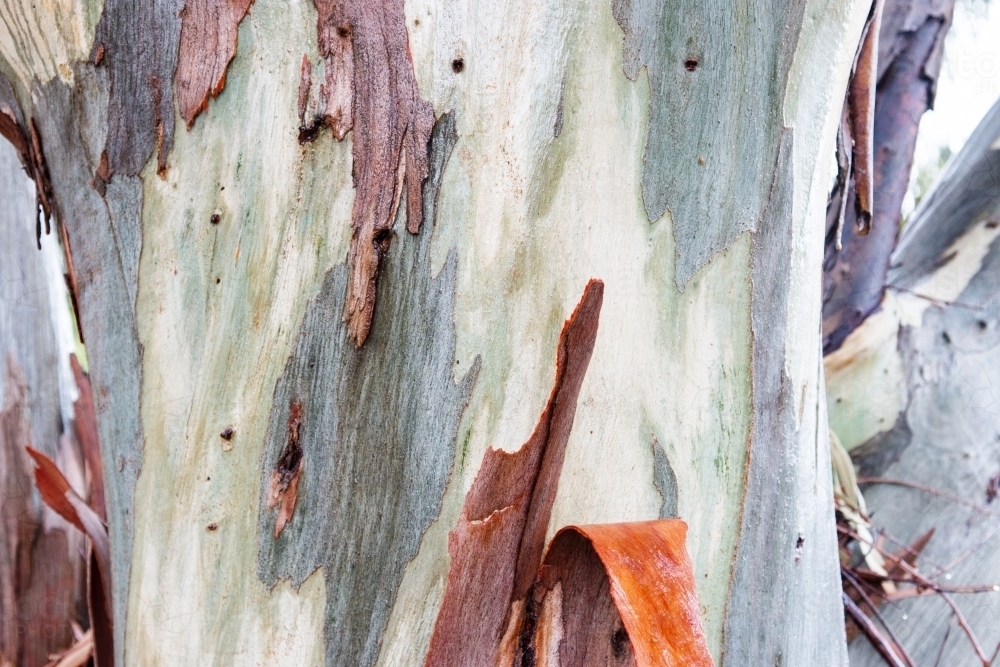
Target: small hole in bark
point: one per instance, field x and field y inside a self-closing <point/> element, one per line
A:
<point x="214" y="219"/>
<point x="342" y="31"/>
<point x="945" y="337"/>
<point x="218" y="280"/>
<point x="619" y="642"/>
<point x="212" y="526"/>
<point x="457" y="65"/>
<point x="992" y="224"/>
<point x="982" y="325"/>
<point x="227" y="434"/>
<point x="690" y="64"/>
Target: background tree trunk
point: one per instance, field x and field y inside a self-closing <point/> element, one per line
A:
<point x="677" y="152"/>
<point x="41" y="573"/>
<point x="929" y="355"/>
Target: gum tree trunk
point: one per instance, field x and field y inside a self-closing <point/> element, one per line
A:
<point x="246" y="192"/>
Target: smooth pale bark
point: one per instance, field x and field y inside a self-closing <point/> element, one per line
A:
<point x="202" y="289"/>
<point x="918" y="381"/>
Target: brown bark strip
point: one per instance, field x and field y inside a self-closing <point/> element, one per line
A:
<point x="60" y="496"/>
<point x="370" y="86"/>
<point x="861" y="103"/>
<point x="209" y="32"/>
<point x="26" y="140"/>
<point x="496" y="546"/>
<point x="284" y="483"/>
<point x="626" y="594"/>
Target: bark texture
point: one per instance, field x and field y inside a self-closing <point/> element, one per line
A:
<point x="212" y="295"/>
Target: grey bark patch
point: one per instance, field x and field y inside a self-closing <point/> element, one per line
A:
<point x="784" y="605"/>
<point x="665" y="481"/>
<point x="124" y="198"/>
<point x="378" y="435"/>
<point x="875" y="456"/>
<point x="101" y="251"/>
<point x="717" y="75"/>
<point x="138" y="42"/>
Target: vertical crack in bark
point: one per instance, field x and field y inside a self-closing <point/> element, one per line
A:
<point x="209" y="31"/>
<point x="370" y="87"/>
<point x="496" y="546"/>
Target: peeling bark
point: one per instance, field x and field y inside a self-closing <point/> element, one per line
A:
<point x="85" y="429"/>
<point x="626" y="597"/>
<point x="496" y="547"/>
<point x="367" y="56"/>
<point x="377" y="435"/>
<point x="208" y="36"/>
<point x="861" y="111"/>
<point x="909" y="59"/>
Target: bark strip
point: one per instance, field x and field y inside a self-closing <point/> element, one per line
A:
<point x="209" y="30"/>
<point x="366" y="52"/>
<point x="626" y="597"/>
<point x="496" y="546"/>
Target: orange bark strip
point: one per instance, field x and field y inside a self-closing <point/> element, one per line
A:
<point x="861" y="102"/>
<point x="496" y="546"/>
<point x="652" y="586"/>
<point x="370" y="86"/>
<point x="209" y="30"/>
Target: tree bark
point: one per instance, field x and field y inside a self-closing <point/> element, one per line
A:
<point x="677" y="152"/>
